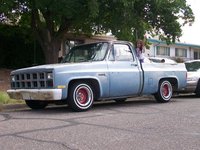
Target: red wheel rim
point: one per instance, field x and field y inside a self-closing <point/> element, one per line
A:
<point x="82" y="96"/>
<point x="165" y="90"/>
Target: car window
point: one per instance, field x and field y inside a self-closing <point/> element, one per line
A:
<point x="88" y="52"/>
<point x="121" y="52"/>
<point x="192" y="66"/>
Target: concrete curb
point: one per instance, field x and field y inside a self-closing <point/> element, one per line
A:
<point x="8" y="107"/>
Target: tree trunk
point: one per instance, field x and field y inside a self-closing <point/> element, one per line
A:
<point x="49" y="39"/>
<point x="51" y="52"/>
<point x="50" y="46"/>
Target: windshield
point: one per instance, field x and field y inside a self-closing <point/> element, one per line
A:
<point x="89" y="52"/>
<point x="193" y="66"/>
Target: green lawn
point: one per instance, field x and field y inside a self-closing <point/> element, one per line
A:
<point x="4" y="99"/>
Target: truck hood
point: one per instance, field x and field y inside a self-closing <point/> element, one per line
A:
<point x="57" y="67"/>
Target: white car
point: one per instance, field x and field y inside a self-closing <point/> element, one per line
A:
<point x="193" y="77"/>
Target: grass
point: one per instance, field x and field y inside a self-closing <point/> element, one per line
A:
<point x="5" y="99"/>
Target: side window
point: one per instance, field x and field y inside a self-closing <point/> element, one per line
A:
<point x="121" y="52"/>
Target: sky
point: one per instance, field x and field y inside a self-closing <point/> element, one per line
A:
<point x="191" y="34"/>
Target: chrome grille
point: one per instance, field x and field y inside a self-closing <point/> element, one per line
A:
<point x="34" y="80"/>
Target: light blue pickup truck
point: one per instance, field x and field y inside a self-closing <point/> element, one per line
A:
<point x="96" y="71"/>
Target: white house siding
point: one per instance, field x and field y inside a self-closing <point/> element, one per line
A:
<point x="193" y="51"/>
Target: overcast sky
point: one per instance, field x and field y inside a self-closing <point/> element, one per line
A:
<point x="191" y="34"/>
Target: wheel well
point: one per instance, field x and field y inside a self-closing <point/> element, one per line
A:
<point x="173" y="82"/>
<point x="92" y="82"/>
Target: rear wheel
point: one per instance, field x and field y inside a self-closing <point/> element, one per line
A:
<point x="165" y="92"/>
<point x="81" y="96"/>
<point x="36" y="104"/>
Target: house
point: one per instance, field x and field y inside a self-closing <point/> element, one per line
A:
<point x="175" y="51"/>
<point x="157" y="48"/>
<point x="71" y="40"/>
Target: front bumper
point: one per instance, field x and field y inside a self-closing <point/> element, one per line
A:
<point x="35" y="94"/>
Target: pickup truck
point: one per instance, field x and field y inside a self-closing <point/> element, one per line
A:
<point x="96" y="71"/>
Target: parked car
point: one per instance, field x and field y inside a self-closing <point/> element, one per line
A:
<point x="193" y="77"/>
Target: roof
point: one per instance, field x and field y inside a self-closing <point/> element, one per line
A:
<point x="176" y="43"/>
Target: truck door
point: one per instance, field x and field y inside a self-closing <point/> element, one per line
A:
<point x="124" y="72"/>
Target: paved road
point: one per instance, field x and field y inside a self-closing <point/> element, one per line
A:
<point x="134" y="125"/>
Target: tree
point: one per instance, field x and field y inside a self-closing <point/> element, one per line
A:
<point x="50" y="20"/>
<point x="18" y="49"/>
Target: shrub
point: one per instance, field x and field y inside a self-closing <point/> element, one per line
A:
<point x="5" y="99"/>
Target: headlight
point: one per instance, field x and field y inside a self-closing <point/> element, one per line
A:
<point x="49" y="75"/>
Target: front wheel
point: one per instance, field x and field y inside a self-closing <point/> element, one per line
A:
<point x="165" y="92"/>
<point x="36" y="104"/>
<point x="81" y="96"/>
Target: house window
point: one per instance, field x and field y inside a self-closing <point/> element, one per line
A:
<point x="181" y="52"/>
<point x="71" y="43"/>
<point x="196" y="55"/>
<point x="163" y="51"/>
